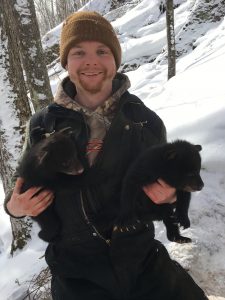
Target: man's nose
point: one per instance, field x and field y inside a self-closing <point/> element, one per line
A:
<point x="91" y="59"/>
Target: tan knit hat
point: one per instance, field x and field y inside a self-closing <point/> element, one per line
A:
<point x="88" y="26"/>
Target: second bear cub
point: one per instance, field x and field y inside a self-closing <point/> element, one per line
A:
<point x="178" y="164"/>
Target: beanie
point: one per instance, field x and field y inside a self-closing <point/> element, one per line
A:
<point x="88" y="26"/>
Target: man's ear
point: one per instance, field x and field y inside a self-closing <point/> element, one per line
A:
<point x="66" y="67"/>
<point x="198" y="147"/>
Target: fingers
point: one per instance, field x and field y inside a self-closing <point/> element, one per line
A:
<point x="163" y="183"/>
<point x="160" y="192"/>
<point x="31" y="203"/>
<point x="173" y="199"/>
<point x="18" y="185"/>
<point x="153" y="192"/>
<point x="31" y="192"/>
<point x="169" y="191"/>
<point x="40" y="203"/>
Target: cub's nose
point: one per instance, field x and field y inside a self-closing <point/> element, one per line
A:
<point x="200" y="185"/>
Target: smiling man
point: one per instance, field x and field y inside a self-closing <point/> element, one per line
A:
<point x="88" y="258"/>
<point x="92" y="67"/>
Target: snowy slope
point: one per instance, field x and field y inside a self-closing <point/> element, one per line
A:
<point x="192" y="105"/>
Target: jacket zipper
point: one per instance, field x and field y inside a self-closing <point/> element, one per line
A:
<point x="96" y="232"/>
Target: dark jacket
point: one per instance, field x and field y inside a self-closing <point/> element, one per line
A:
<point x="87" y="213"/>
<point x="133" y="128"/>
<point x="88" y="254"/>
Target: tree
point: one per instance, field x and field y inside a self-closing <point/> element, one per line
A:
<point x="170" y="39"/>
<point x="52" y="12"/>
<point x="32" y="53"/>
<point x="45" y="15"/>
<point x="21" y="49"/>
<point x="14" y="109"/>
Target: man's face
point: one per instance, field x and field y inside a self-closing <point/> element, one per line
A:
<point x="91" y="67"/>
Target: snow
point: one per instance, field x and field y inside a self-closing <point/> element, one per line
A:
<point x="39" y="82"/>
<point x="144" y="13"/>
<point x="192" y="105"/>
<point x="52" y="37"/>
<point x="101" y="6"/>
<point x="32" y="52"/>
<point x="22" y="8"/>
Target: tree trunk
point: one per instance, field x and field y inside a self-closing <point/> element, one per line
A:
<point x="170" y="39"/>
<point x="14" y="113"/>
<point x="32" y="53"/>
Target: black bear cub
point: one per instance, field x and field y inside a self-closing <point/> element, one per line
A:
<point x="51" y="163"/>
<point x="178" y="164"/>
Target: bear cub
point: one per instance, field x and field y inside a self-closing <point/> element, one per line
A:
<point x="51" y="163"/>
<point x="178" y="164"/>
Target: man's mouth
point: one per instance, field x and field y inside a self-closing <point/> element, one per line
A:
<point x="91" y="73"/>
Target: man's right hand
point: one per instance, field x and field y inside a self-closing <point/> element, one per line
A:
<point x="160" y="192"/>
<point x="28" y="203"/>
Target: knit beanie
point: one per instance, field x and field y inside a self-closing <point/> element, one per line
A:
<point x="88" y="26"/>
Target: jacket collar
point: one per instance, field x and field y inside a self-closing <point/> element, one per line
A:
<point x="66" y="93"/>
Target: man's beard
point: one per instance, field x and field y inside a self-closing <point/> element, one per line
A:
<point x="97" y="87"/>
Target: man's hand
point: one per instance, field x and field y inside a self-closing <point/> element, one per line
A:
<point x="160" y="192"/>
<point x="27" y="203"/>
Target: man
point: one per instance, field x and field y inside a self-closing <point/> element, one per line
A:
<point x="89" y="260"/>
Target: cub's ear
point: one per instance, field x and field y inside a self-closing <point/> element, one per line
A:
<point x="198" y="147"/>
<point x="170" y="154"/>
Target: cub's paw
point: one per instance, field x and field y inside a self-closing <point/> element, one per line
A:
<point x="182" y="240"/>
<point x="185" y="223"/>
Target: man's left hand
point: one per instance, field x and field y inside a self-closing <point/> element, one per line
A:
<point x="160" y="192"/>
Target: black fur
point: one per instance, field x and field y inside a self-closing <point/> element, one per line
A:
<point x="179" y="165"/>
<point x="51" y="163"/>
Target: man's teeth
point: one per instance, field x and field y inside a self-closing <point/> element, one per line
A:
<point x="91" y="74"/>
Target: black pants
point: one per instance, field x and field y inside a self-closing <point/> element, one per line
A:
<point x="162" y="279"/>
<point x="72" y="289"/>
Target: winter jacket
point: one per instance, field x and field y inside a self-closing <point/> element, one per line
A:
<point x="129" y="127"/>
<point x="90" y="210"/>
<point x="88" y="253"/>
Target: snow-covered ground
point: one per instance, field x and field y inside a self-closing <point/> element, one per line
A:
<point x="192" y="105"/>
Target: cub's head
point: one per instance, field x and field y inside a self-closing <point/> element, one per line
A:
<point x="58" y="153"/>
<point x="182" y="166"/>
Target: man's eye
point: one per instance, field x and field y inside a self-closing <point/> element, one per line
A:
<point x="78" y="53"/>
<point x="101" y="52"/>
